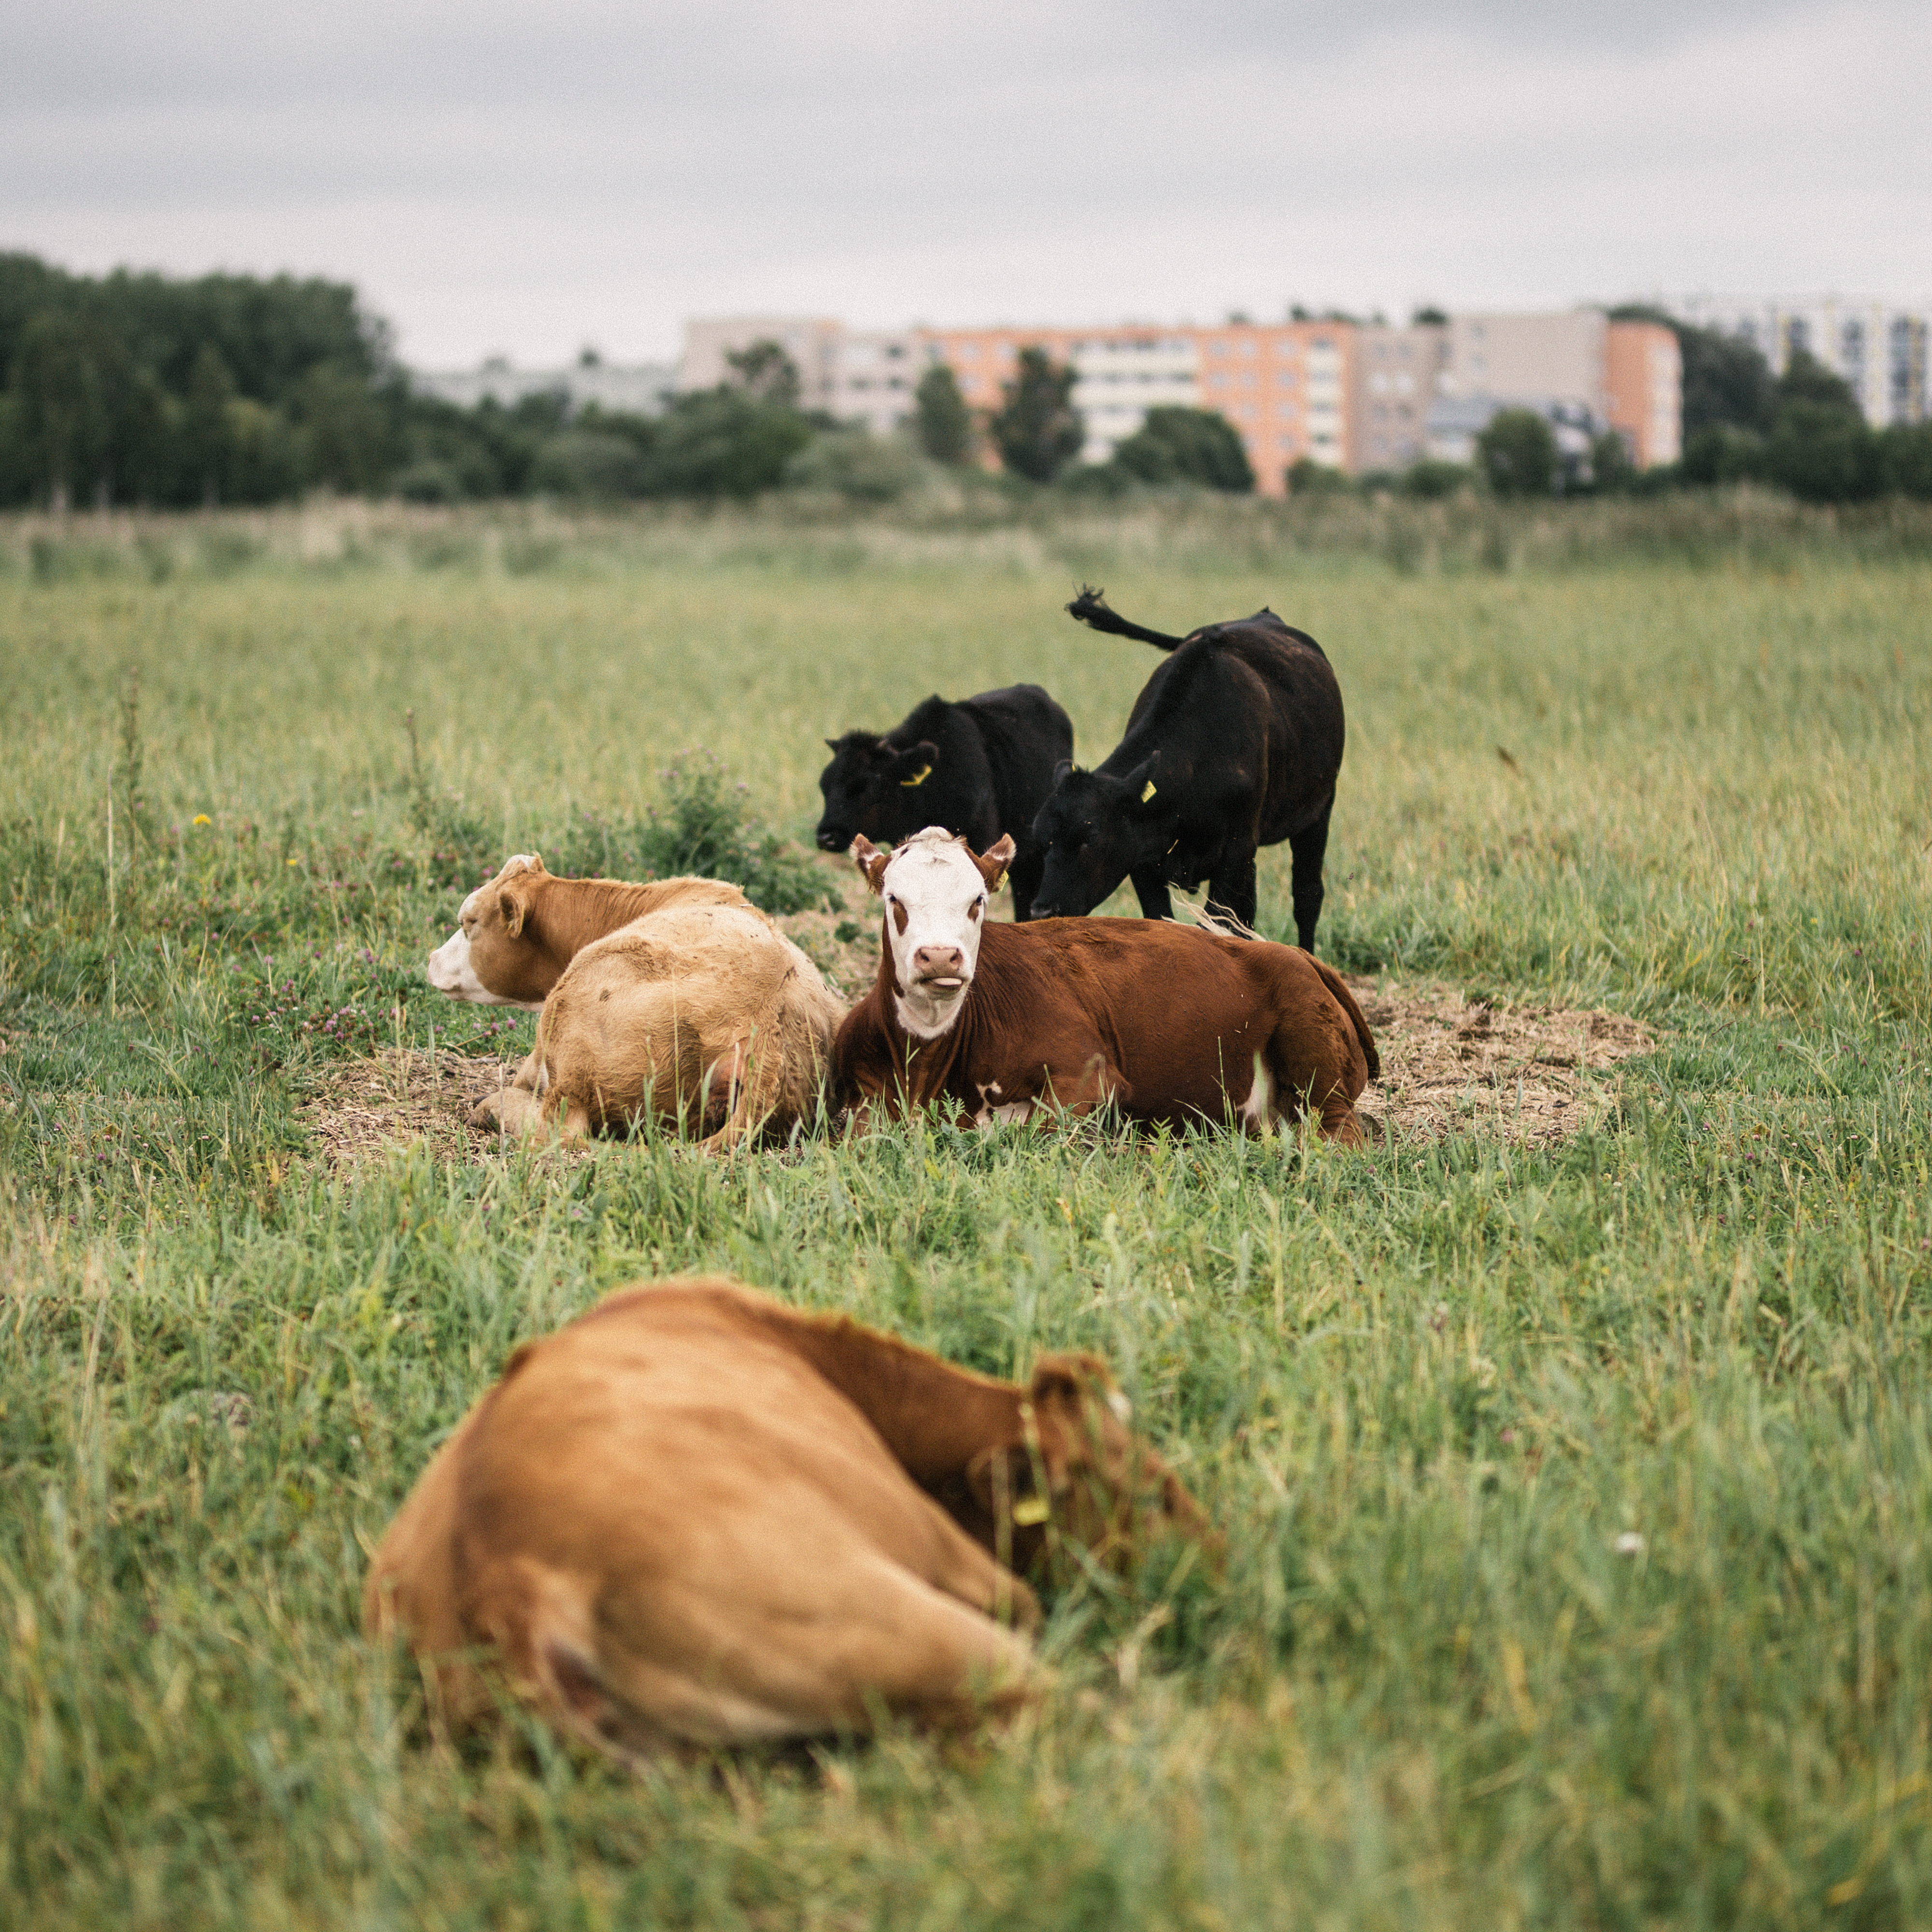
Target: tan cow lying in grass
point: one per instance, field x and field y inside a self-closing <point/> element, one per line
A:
<point x="695" y="1516"/>
<point x="515" y="935"/>
<point x="677" y="1001"/>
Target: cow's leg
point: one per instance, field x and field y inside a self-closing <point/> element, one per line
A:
<point x="487" y="1113"/>
<point x="1232" y="888"/>
<point x="1308" y="846"/>
<point x="1024" y="875"/>
<point x="1150" y="886"/>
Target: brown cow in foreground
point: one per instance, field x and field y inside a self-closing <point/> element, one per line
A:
<point x="1166" y="1023"/>
<point x="677" y="1001"/>
<point x="696" y="1516"/>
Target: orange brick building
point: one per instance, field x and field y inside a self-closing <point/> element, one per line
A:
<point x="1643" y="390"/>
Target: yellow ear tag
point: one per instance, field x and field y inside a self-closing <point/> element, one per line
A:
<point x="999" y="882"/>
<point x="1149" y="793"/>
<point x="1029" y="1510"/>
<point x="925" y="772"/>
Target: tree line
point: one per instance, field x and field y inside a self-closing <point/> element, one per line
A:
<point x="144" y="389"/>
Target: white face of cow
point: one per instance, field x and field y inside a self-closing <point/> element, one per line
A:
<point x="450" y="970"/>
<point x="935" y="894"/>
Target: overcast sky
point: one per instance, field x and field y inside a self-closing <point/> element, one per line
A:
<point x="526" y="178"/>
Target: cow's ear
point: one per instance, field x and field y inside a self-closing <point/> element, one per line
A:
<point x="1061" y="772"/>
<point x="832" y="744"/>
<point x="870" y="861"/>
<point x="1005" y="1483"/>
<point x="994" y="861"/>
<point x="914" y="767"/>
<point x="514" y="907"/>
<point x="1142" y="782"/>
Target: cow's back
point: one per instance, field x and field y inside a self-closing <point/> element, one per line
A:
<point x="1182" y="1012"/>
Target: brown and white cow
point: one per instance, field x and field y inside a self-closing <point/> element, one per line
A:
<point x="696" y="1516"/>
<point x="1166" y="1023"/>
<point x="515" y="935"/>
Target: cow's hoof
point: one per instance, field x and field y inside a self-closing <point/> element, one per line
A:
<point x="486" y="1115"/>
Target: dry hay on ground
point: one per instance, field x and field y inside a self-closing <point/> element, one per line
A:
<point x="361" y="1108"/>
<point x="1521" y="1073"/>
<point x="1450" y="1066"/>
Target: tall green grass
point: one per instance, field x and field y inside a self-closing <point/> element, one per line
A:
<point x="1577" y="1500"/>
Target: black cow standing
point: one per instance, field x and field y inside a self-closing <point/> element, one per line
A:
<point x="979" y="767"/>
<point x="1235" y="743"/>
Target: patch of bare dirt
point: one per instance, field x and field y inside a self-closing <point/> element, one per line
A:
<point x="1452" y="1065"/>
<point x="361" y="1108"/>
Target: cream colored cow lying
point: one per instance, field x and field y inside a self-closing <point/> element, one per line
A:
<point x="677" y="1002"/>
<point x="695" y="1516"/>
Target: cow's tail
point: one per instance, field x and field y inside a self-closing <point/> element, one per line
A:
<point x="1090" y="608"/>
<point x="1333" y="981"/>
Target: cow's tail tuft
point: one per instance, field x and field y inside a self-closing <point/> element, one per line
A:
<point x="1333" y="981"/>
<point x="1090" y="608"/>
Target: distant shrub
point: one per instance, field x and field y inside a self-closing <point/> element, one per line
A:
<point x="1905" y="456"/>
<point x="1430" y="479"/>
<point x="857" y="464"/>
<point x="1184" y="446"/>
<point x="704" y="826"/>
<point x="588" y="463"/>
<point x="1517" y="453"/>
<point x="1305" y="477"/>
<point x="723" y="441"/>
<point x="428" y="481"/>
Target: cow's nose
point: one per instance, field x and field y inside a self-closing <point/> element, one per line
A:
<point x="830" y="841"/>
<point x="939" y="962"/>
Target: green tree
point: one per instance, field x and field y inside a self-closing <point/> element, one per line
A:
<point x="1037" y="429"/>
<point x="349" y="432"/>
<point x="766" y="373"/>
<point x="941" y="421"/>
<point x="1905" y="456"/>
<point x="65" y="407"/>
<point x="1821" y="448"/>
<point x="1516" y="454"/>
<point x="204" y="443"/>
<point x="1183" y="445"/>
<point x="1612" y="472"/>
<point x="723" y="443"/>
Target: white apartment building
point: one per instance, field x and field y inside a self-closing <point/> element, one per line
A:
<point x="1119" y="377"/>
<point x="875" y="373"/>
<point x="1879" y="348"/>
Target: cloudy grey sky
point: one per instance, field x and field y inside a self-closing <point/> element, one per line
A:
<point x="498" y="175"/>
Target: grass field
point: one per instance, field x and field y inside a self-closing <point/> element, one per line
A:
<point x="1578" y="1499"/>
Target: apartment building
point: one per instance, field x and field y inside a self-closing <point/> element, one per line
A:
<point x="1398" y="377"/>
<point x="1285" y="388"/>
<point x="812" y="342"/>
<point x="1585" y="372"/>
<point x="1347" y="395"/>
<point x="1878" y="348"/>
<point x="1643" y="390"/>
